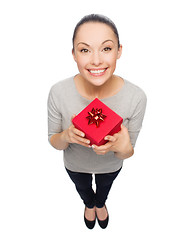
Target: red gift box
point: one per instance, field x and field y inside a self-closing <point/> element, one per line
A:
<point x="97" y="121"/>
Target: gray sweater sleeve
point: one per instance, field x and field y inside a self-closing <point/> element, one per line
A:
<point x="54" y="115"/>
<point x="135" y="122"/>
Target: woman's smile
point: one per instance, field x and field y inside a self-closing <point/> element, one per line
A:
<point x="97" y="72"/>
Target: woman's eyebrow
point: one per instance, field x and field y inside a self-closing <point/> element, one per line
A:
<point x="107" y="41"/>
<point x="83" y="43"/>
<point x="89" y="45"/>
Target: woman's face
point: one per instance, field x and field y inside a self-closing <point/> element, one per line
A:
<point x="96" y="52"/>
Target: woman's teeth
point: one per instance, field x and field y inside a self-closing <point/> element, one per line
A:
<point x="97" y="71"/>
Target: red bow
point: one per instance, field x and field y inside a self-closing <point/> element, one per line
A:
<point x="95" y="116"/>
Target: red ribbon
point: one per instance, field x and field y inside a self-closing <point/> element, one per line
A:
<point x="95" y="116"/>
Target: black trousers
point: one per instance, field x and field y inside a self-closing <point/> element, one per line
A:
<point x="83" y="184"/>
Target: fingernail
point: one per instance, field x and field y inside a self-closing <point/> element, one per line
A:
<point x="83" y="134"/>
<point x="88" y="142"/>
<point x="93" y="146"/>
<point x="106" y="138"/>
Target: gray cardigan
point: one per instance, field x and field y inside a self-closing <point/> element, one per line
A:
<point x="64" y="101"/>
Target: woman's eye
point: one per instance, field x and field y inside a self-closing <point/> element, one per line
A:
<point x="106" y="49"/>
<point x="84" y="50"/>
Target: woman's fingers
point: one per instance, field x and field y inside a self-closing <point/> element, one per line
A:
<point x="110" y="138"/>
<point x="75" y="130"/>
<point x="78" y="132"/>
<point x="80" y="140"/>
<point x="81" y="143"/>
<point x="83" y="140"/>
<point x="73" y="117"/>
<point x="77" y="136"/>
<point x="103" y="149"/>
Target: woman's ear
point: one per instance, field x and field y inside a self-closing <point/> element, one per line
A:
<point x="73" y="53"/>
<point x="119" y="51"/>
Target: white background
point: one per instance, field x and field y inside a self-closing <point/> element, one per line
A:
<point x="153" y="196"/>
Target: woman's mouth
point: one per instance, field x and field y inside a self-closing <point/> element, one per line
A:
<point x="97" y="72"/>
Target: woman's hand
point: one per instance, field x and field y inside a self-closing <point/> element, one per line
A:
<point x="119" y="143"/>
<point x="73" y="135"/>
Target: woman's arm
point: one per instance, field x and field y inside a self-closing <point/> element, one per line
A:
<point x="61" y="140"/>
<point x="127" y="153"/>
<point x="58" y="141"/>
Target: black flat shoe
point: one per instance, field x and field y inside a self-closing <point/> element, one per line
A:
<point x="103" y="224"/>
<point x="89" y="224"/>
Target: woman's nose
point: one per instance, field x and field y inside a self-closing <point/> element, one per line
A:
<point x="96" y="59"/>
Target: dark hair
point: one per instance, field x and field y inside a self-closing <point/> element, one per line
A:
<point x="96" y="18"/>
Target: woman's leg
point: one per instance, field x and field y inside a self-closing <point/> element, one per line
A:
<point x="103" y="186"/>
<point x="83" y="184"/>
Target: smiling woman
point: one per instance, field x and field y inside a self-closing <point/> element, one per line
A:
<point x="96" y="49"/>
